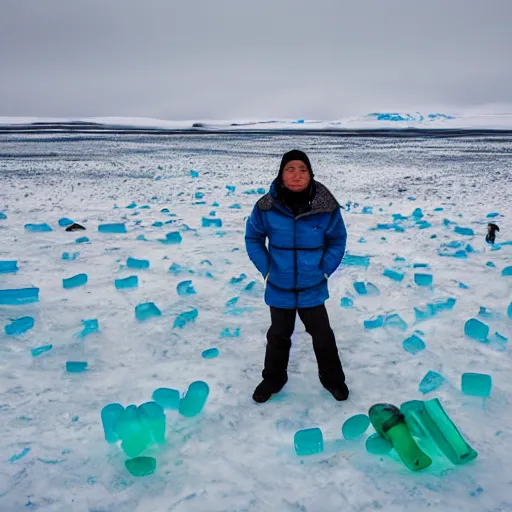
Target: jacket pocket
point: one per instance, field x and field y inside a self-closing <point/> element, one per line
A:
<point x="309" y="271"/>
<point x="282" y="272"/>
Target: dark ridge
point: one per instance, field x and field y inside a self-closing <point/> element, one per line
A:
<point x="202" y="128"/>
<point x="250" y="123"/>
<point x="66" y="123"/>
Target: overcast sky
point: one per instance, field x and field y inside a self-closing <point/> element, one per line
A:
<point x="248" y="59"/>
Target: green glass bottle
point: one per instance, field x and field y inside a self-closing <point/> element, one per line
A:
<point x="389" y="422"/>
<point x="448" y="438"/>
<point x="429" y="422"/>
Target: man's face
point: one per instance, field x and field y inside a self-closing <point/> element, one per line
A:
<point x="296" y="176"/>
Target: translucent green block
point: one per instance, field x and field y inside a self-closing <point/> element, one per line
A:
<point x="476" y="384"/>
<point x="40" y="350"/>
<point x="185" y="288"/>
<point x="355" y="426"/>
<point x="237" y="280"/>
<point x="38" y="228"/>
<point x="463" y="231"/>
<point x="210" y="353"/>
<point x="146" y="310"/>
<point x="135" y="436"/>
<point x="346" y="302"/>
<point x="193" y="402"/>
<point x="75" y="281"/>
<point x="230" y="333"/>
<point x="167" y="398"/>
<point x="185" y="318"/>
<point x="392" y="274"/>
<point x="89" y="327"/>
<point x="109" y="415"/>
<point x="356" y="261"/>
<point x="423" y="279"/>
<point x="428" y="421"/>
<point x="413" y="344"/>
<point x="20" y="455"/>
<point x="8" y="266"/>
<point x="19" y="326"/>
<point x="65" y="222"/>
<point x="378" y="445"/>
<point x="127" y="282"/>
<point x="374" y="323"/>
<point x="152" y="416"/>
<point x="308" y="441"/>
<point x="136" y="263"/>
<point x="498" y="338"/>
<point x="395" y="320"/>
<point x="389" y="422"/>
<point x="76" y="366"/>
<point x="507" y="271"/>
<point x="141" y="466"/>
<point x="417" y="213"/>
<point x="19" y="296"/>
<point x="477" y="330"/>
<point x="112" y="228"/>
<point x="431" y="381"/>
<point x="363" y="288"/>
<point x="172" y="238"/>
<point x="126" y="422"/>
<point x="207" y="223"/>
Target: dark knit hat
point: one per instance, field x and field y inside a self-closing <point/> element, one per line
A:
<point x="294" y="154"/>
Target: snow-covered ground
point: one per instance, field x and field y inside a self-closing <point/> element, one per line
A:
<point x="237" y="455"/>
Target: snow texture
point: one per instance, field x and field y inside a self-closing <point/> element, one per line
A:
<point x="238" y="455"/>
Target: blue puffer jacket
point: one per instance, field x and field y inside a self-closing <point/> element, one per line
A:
<point x="302" y="251"/>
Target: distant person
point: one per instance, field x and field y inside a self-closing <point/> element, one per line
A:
<point x="490" y="238"/>
<point x="307" y="239"/>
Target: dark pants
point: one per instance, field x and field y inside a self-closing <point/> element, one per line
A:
<point x="316" y="322"/>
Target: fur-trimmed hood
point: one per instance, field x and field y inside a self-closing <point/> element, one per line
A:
<point x="323" y="202"/>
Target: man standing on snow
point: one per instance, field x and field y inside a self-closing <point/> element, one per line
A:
<point x="307" y="239"/>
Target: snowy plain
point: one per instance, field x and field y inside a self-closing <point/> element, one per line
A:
<point x="237" y="455"/>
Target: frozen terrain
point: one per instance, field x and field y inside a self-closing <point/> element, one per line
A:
<point x="393" y="122"/>
<point x="237" y="455"/>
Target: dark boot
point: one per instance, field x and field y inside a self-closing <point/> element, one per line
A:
<point x="330" y="370"/>
<point x="339" y="392"/>
<point x="264" y="390"/>
<point x="277" y="354"/>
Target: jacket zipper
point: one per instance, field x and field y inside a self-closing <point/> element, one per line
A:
<point x="295" y="275"/>
<point x="296" y="269"/>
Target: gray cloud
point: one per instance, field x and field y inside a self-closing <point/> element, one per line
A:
<point x="177" y="59"/>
